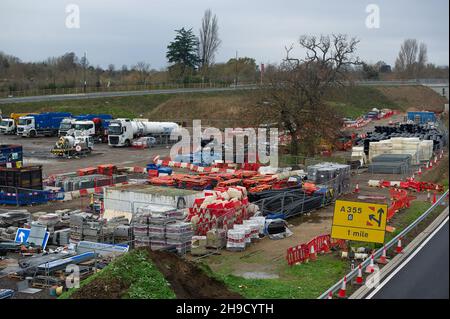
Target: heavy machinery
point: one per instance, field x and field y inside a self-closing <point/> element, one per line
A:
<point x="122" y="132"/>
<point x="73" y="146"/>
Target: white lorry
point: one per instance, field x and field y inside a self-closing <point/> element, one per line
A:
<point x="122" y="132"/>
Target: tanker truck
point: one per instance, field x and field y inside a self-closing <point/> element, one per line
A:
<point x="122" y="132"/>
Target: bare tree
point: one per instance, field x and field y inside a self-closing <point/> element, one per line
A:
<point x="422" y="59"/>
<point x="411" y="59"/>
<point x="297" y="88"/>
<point x="143" y="70"/>
<point x="209" y="41"/>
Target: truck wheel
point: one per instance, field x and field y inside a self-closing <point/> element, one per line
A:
<point x="32" y="133"/>
<point x="127" y="143"/>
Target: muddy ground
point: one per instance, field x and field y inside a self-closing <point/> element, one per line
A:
<point x="186" y="279"/>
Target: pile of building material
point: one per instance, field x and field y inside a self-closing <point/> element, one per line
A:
<point x="419" y="150"/>
<point x="89" y="227"/>
<point x="289" y="203"/>
<point x="74" y="182"/>
<point x="391" y="164"/>
<point x="126" y="200"/>
<point x="157" y="226"/>
<point x="423" y="132"/>
<point x="332" y="175"/>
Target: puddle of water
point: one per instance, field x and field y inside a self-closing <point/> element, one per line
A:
<point x="258" y="275"/>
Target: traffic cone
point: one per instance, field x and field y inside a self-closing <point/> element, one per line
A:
<point x="420" y="171"/>
<point x="431" y="164"/>
<point x="359" y="279"/>
<point x="435" y="160"/>
<point x="330" y="295"/>
<point x="357" y="188"/>
<point x="383" y="259"/>
<point x="325" y="247"/>
<point x="342" y="291"/>
<point x="399" y="248"/>
<point x="371" y="267"/>
<point x="312" y="253"/>
<point x="434" y="198"/>
<point x="428" y="166"/>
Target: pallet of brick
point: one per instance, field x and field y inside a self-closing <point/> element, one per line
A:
<point x="182" y="247"/>
<point x="158" y="244"/>
<point x="216" y="238"/>
<point x="179" y="231"/>
<point x="198" y="246"/>
<point x="236" y="240"/>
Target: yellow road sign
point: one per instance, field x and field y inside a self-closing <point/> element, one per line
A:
<point x="358" y="221"/>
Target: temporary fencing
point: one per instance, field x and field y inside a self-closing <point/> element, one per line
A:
<point x="22" y="196"/>
<point x="411" y="184"/>
<point x="320" y="244"/>
<point x="400" y="200"/>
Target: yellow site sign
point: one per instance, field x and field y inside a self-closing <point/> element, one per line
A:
<point x="358" y="221"/>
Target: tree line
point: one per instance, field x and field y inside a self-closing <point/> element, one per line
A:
<point x="191" y="59"/>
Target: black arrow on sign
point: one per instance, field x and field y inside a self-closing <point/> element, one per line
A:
<point x="380" y="215"/>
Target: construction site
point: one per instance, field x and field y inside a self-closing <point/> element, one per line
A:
<point x="234" y="228"/>
<point x="274" y="157"/>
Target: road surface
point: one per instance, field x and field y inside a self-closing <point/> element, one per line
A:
<point x="425" y="275"/>
<point x="61" y="97"/>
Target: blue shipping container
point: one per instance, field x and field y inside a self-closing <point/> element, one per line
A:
<point x="422" y="117"/>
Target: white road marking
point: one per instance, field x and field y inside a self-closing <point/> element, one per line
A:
<point x="374" y="292"/>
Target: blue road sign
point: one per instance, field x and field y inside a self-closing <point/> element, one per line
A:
<point x="23" y="234"/>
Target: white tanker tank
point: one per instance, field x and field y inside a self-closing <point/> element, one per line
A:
<point x="121" y="132"/>
<point x="157" y="128"/>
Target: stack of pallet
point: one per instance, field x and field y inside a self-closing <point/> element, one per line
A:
<point x="390" y="164"/>
<point x="149" y="225"/>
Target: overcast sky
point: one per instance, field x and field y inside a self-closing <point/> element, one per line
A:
<point x="124" y="32"/>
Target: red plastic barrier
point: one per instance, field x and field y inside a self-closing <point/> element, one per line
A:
<point x="300" y="253"/>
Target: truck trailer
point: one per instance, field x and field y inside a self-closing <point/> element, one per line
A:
<point x="44" y="124"/>
<point x="122" y="132"/>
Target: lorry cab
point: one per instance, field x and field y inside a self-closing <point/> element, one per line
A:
<point x="7" y="126"/>
<point x="84" y="126"/>
<point x="26" y="124"/>
<point x="65" y="126"/>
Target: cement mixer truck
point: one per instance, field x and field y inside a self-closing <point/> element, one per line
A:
<point x="122" y="132"/>
<point x="70" y="146"/>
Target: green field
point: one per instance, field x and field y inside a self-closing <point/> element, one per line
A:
<point x="239" y="106"/>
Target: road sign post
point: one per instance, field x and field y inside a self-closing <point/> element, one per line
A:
<point x="359" y="221"/>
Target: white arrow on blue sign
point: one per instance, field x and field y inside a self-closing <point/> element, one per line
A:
<point x="23" y="234"/>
